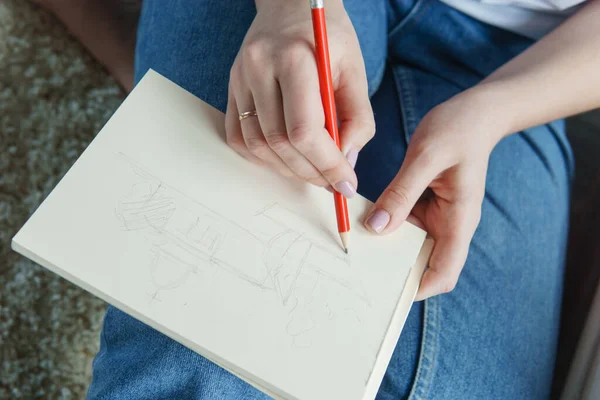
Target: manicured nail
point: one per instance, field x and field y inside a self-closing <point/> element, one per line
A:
<point x="329" y="189"/>
<point x="345" y="188"/>
<point x="352" y="156"/>
<point x="378" y="220"/>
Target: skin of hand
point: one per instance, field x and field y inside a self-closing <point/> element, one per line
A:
<point x="275" y="73"/>
<point x="440" y="185"/>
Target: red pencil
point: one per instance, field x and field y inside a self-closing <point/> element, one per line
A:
<point x="327" y="96"/>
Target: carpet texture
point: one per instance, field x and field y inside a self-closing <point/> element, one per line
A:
<point x="53" y="99"/>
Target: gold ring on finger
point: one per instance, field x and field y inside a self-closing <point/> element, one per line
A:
<point x="247" y="114"/>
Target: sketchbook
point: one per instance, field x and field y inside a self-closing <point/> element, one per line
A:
<point x="160" y="218"/>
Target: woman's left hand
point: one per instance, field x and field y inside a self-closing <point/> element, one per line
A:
<point x="441" y="184"/>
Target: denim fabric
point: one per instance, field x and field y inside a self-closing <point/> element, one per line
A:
<point x="494" y="336"/>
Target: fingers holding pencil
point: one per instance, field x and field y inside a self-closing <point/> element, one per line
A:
<point x="274" y="85"/>
<point x="329" y="108"/>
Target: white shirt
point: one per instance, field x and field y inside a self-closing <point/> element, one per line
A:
<point x="531" y="18"/>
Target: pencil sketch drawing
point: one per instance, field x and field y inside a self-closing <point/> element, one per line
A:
<point x="188" y="238"/>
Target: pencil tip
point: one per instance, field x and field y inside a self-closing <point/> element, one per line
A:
<point x="344" y="237"/>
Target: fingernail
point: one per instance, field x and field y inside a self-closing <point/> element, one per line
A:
<point x="352" y="156"/>
<point x="329" y="189"/>
<point x="345" y="188"/>
<point x="378" y="220"/>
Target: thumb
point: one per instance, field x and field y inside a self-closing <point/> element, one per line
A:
<point x="355" y="115"/>
<point x="396" y="202"/>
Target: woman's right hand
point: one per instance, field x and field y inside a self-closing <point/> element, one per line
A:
<point x="275" y="73"/>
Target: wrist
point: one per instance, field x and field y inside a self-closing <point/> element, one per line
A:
<point x="493" y="108"/>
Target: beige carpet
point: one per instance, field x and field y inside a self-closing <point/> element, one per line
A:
<point x="53" y="99"/>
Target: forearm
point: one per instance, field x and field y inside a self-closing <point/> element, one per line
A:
<point x="557" y="77"/>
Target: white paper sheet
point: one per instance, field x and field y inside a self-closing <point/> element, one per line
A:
<point x="162" y="219"/>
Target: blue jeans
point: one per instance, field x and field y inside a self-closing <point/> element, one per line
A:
<point x="495" y="335"/>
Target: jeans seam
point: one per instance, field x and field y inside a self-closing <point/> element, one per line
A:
<point x="103" y="338"/>
<point x="378" y="78"/>
<point x="565" y="148"/>
<point x="409" y="17"/>
<point x="406" y="100"/>
<point x="431" y="318"/>
<point x="103" y="350"/>
<point x="429" y="350"/>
